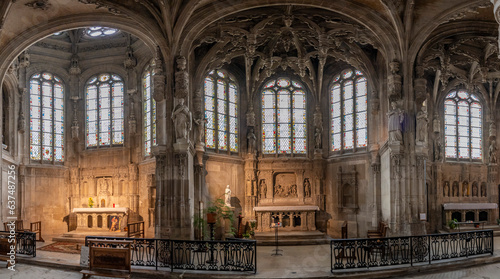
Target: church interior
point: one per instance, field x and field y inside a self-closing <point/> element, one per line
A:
<point x="308" y="113"/>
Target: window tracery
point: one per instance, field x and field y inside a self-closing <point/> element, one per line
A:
<point x="462" y="125"/>
<point x="284" y="117"/>
<point x="221" y="112"/>
<point x="104" y="101"/>
<point x="46" y="118"/>
<point x="348" y="101"/>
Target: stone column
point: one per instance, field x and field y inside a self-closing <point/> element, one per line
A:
<point x="391" y="188"/>
<point x="182" y="193"/>
<point x="373" y="184"/>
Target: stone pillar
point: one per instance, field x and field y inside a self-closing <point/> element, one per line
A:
<point x="251" y="186"/>
<point x="373" y="184"/>
<point x="181" y="193"/>
<point x="392" y="187"/>
<point x="496" y="12"/>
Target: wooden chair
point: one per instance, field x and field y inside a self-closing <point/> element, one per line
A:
<point x="135" y="229"/>
<point x="108" y="258"/>
<point x="380" y="232"/>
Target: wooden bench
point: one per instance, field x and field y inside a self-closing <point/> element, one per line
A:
<point x="5" y="248"/>
<point x="108" y="258"/>
<point x="19" y="226"/>
<point x="135" y="229"/>
<point x="380" y="232"/>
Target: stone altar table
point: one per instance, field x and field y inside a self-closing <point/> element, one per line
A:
<point x="293" y="218"/>
<point x="98" y="218"/>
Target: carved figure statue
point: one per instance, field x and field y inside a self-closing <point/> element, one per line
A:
<point x="200" y="137"/>
<point x="446" y="189"/>
<point x="474" y="190"/>
<point x="437" y="148"/>
<point x="396" y="118"/>
<point x="465" y="189"/>
<point x="251" y="141"/>
<point x="493" y="152"/>
<point x="293" y="190"/>
<point x="182" y="120"/>
<point x="422" y="125"/>
<point x="307" y="188"/>
<point x="227" y="196"/>
<point x="455" y="189"/>
<point x="483" y="190"/>
<point x="317" y="138"/>
<point x="263" y="189"/>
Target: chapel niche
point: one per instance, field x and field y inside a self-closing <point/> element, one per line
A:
<point x="347" y="181"/>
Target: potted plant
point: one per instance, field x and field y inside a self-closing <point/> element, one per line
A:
<point x="452" y="224"/>
<point x="91" y="202"/>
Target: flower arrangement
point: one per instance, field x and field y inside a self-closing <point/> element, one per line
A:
<point x="91" y="202"/>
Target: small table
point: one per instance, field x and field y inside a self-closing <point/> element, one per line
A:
<point x="276" y="226"/>
<point x="475" y="223"/>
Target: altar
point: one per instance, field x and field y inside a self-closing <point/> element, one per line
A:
<point x="293" y="218"/>
<point x="105" y="218"/>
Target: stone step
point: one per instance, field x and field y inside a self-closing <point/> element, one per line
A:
<point x="292" y="238"/>
<point x="79" y="235"/>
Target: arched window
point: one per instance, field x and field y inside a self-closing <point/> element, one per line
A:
<point x="149" y="112"/>
<point x="104" y="110"/>
<point x="462" y="126"/>
<point x="221" y="112"/>
<point x="283" y="117"/>
<point x="46" y="118"/>
<point x="348" y="101"/>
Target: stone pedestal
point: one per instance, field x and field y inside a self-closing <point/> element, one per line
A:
<point x="293" y="218"/>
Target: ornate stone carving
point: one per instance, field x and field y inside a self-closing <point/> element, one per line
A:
<point x="182" y="120"/>
<point x="181" y="78"/>
<point x="75" y="130"/>
<point x="422" y="121"/>
<point x="181" y="164"/>
<point x="446" y="189"/>
<point x="251" y="141"/>
<point x="307" y="188"/>
<point x="262" y="189"/>
<point x="39" y="5"/>
<point x="21" y="121"/>
<point x="200" y="131"/>
<point x="348" y="187"/>
<point x="394" y="80"/>
<point x="24" y="59"/>
<point x="396" y="117"/>
<point x="74" y="68"/>
<point x="492" y="152"/>
<point x="130" y="61"/>
<point x="285" y="185"/>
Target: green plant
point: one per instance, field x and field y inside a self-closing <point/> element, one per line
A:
<point x="246" y="235"/>
<point x="498" y="221"/>
<point x="222" y="212"/>
<point x="452" y="223"/>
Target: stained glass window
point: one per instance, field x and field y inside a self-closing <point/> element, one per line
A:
<point x="149" y="115"/>
<point x="284" y="117"/>
<point x="46" y="118"/>
<point x="462" y="126"/>
<point x="348" y="102"/>
<point x="104" y="101"/>
<point x="98" y="31"/>
<point x="221" y="112"/>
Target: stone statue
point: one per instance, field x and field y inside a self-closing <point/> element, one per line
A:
<point x="446" y="189"/>
<point x="227" y="196"/>
<point x="200" y="137"/>
<point x="263" y="189"/>
<point x="307" y="188"/>
<point x="465" y="189"/>
<point x="182" y="120"/>
<point x="474" y="190"/>
<point x="493" y="152"/>
<point x="251" y="141"/>
<point x="455" y="189"/>
<point x="317" y="138"/>
<point x="396" y="118"/>
<point x="437" y="148"/>
<point x="422" y="125"/>
<point x="483" y="190"/>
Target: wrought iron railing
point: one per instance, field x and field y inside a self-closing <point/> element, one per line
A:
<point x="377" y="252"/>
<point x="25" y="242"/>
<point x="229" y="255"/>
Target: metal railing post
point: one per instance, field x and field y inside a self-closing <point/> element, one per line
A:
<point x="429" y="248"/>
<point x="331" y="255"/>
<point x="411" y="250"/>
<point x="156" y="252"/>
<point x="171" y="255"/>
<point x="255" y="245"/>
